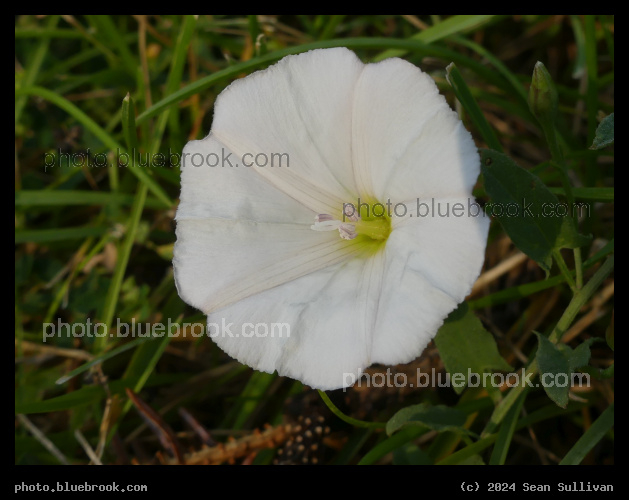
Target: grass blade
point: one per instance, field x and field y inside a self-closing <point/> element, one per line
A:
<point x="505" y="434"/>
<point x="451" y="26"/>
<point x="121" y="265"/>
<point x="468" y="102"/>
<point x="591" y="437"/>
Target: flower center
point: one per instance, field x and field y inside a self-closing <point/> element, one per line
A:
<point x="354" y="225"/>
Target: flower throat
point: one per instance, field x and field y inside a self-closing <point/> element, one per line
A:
<point x="355" y="223"/>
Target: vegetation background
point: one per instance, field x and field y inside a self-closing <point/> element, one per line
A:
<point x="94" y="239"/>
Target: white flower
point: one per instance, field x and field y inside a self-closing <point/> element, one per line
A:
<point x="376" y="290"/>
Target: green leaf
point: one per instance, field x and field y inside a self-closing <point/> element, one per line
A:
<point x="82" y="396"/>
<point x="473" y="460"/>
<point x="569" y="237"/>
<point x="113" y="293"/>
<point x="450" y="26"/>
<point x="252" y="396"/>
<point x="505" y="434"/>
<point x="552" y="362"/>
<point x="465" y="454"/>
<point x="105" y="28"/>
<point x="591" y="437"/>
<point x="99" y="359"/>
<point x="604" y="133"/>
<point x="530" y="214"/>
<point x="579" y="356"/>
<point x="410" y="454"/>
<point x="437" y="418"/>
<point x="141" y="366"/>
<point x="392" y="443"/>
<point x="467" y="348"/>
<point x="604" y="194"/>
<point x="128" y="125"/>
<point x="63" y="197"/>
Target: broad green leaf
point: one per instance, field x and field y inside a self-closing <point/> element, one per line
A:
<point x="604" y="133"/>
<point x="580" y="355"/>
<point x="558" y="363"/>
<point x="604" y="194"/>
<point x="568" y="236"/>
<point x="467" y="348"/>
<point x="530" y="214"/>
<point x="555" y="371"/>
<point x="599" y="374"/>
<point x="438" y="418"/>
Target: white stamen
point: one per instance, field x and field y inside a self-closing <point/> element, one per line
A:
<point x="323" y="218"/>
<point x="325" y="222"/>
<point x="347" y="231"/>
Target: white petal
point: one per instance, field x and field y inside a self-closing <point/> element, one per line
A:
<point x="218" y="261"/>
<point x="430" y="266"/>
<point x="300" y="106"/>
<point x="407" y="141"/>
<point x="225" y="192"/>
<point x="331" y="314"/>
